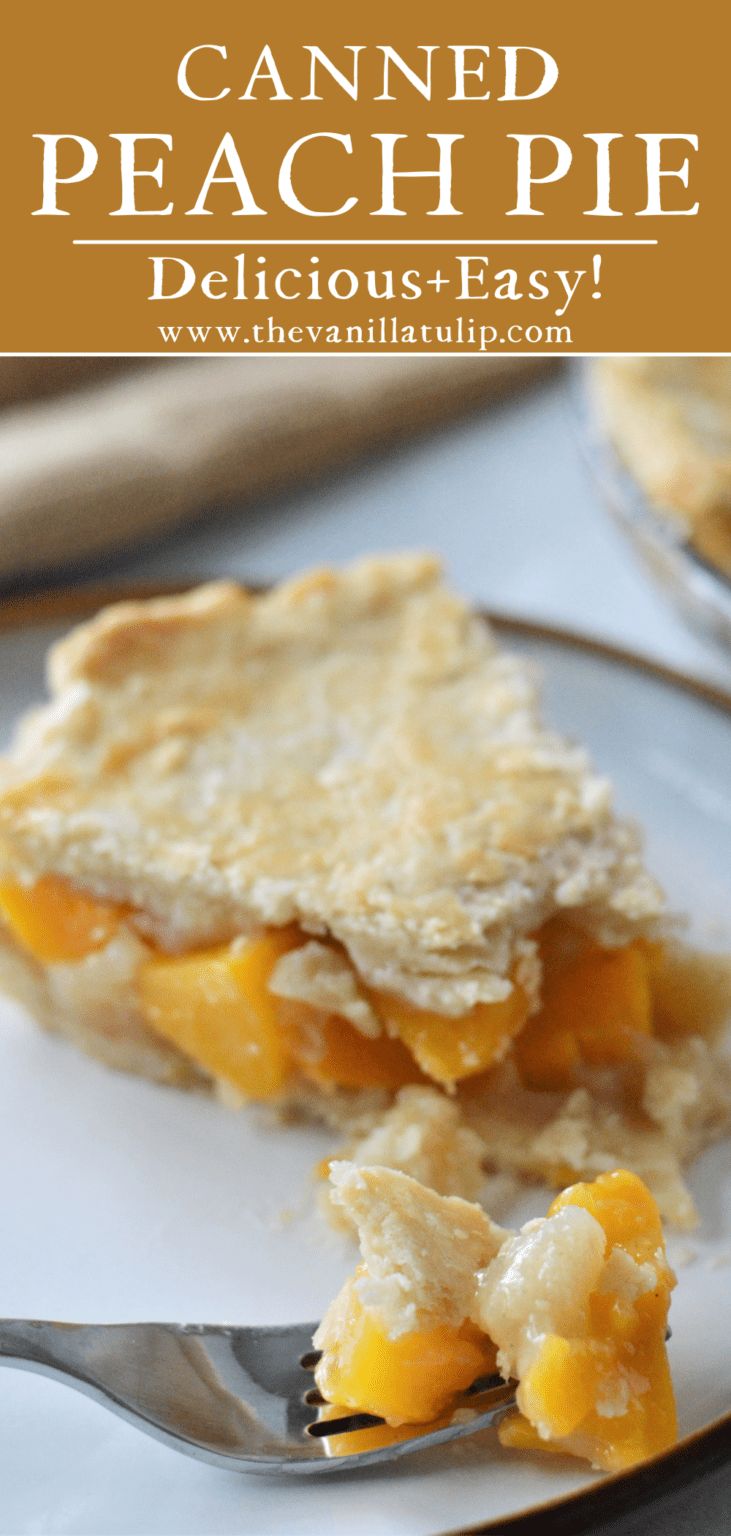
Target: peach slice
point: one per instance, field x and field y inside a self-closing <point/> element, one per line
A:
<point x="409" y="1379"/>
<point x="331" y="1052"/>
<point x="592" y="1010"/>
<point x="55" y="922"/>
<point x="216" y="1006"/>
<point x="450" y="1049"/>
<point x="625" y="1345"/>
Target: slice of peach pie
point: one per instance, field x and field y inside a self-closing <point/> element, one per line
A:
<point x="317" y="846"/>
<point x="573" y="1307"/>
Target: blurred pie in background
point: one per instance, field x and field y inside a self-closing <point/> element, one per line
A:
<point x="669" y="419"/>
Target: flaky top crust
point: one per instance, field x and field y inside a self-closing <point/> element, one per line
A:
<point x="351" y="751"/>
<point x="421" y="1251"/>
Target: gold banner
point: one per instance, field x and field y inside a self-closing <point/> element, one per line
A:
<point x="524" y="179"/>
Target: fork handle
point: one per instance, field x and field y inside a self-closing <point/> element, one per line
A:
<point x="139" y="1370"/>
<point x="109" y="1361"/>
<point x="52" y="1348"/>
<point x="154" y="1374"/>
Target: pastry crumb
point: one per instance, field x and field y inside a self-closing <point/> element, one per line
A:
<point x="421" y="1134"/>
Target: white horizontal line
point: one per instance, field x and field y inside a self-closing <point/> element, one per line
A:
<point x="355" y="353"/>
<point x="346" y="242"/>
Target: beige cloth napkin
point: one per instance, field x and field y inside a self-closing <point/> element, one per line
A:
<point x="32" y="378"/>
<point x="126" y="454"/>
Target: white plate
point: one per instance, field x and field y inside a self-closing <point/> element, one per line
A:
<point x="123" y="1201"/>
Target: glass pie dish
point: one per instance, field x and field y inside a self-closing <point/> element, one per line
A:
<point x="690" y="576"/>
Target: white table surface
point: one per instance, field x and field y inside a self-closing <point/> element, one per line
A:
<point x="507" y="500"/>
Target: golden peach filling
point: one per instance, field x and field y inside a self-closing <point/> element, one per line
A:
<point x="449" y="1050"/>
<point x="329" y="1051"/>
<point x="409" y="1379"/>
<point x="605" y="1394"/>
<point x="56" y="923"/>
<point x="610" y="1389"/>
<point x="217" y="1007"/>
<point x="595" y="1004"/>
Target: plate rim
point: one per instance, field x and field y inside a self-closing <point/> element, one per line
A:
<point x="705" y="1449"/>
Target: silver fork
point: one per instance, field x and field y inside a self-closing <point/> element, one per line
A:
<point x="241" y="1398"/>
